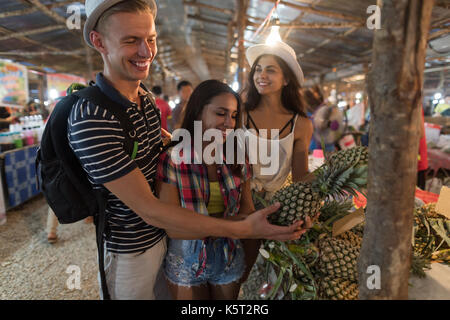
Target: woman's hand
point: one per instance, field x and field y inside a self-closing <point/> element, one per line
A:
<point x="166" y="137"/>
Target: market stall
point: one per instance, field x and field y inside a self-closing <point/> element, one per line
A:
<point x="13" y="84"/>
<point x="18" y="177"/>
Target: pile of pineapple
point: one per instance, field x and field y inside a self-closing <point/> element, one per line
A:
<point x="319" y="266"/>
<point x="431" y="238"/>
<point x="342" y="174"/>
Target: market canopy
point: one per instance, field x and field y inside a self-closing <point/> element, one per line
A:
<point x="199" y="40"/>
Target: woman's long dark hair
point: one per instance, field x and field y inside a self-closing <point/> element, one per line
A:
<point x="291" y="97"/>
<point x="200" y="97"/>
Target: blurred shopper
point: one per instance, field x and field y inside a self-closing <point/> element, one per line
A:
<point x="314" y="100"/>
<point x="422" y="164"/>
<point x="163" y="106"/>
<point x="184" y="92"/>
<point x="443" y="108"/>
<point x="5" y="118"/>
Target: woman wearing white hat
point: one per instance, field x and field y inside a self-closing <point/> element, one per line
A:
<point x="273" y="101"/>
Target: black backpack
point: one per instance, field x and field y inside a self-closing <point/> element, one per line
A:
<point x="64" y="182"/>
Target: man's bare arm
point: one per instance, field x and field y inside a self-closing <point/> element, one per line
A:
<point x="133" y="190"/>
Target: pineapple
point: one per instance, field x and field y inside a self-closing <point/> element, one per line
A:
<point x="336" y="178"/>
<point x="352" y="238"/>
<point x="338" y="289"/>
<point x="297" y="201"/>
<point x="288" y="181"/>
<point x="338" y="259"/>
<point x="358" y="156"/>
<point x="358" y="230"/>
<point x="255" y="281"/>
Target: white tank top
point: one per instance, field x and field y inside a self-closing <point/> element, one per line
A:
<point x="272" y="182"/>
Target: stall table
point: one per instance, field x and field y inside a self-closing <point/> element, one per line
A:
<point x="18" y="177"/>
<point x="437" y="159"/>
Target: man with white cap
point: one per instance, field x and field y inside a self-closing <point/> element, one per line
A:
<point x="123" y="32"/>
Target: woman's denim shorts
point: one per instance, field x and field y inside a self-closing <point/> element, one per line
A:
<point x="182" y="262"/>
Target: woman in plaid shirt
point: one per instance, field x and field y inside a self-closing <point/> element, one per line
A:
<point x="209" y="268"/>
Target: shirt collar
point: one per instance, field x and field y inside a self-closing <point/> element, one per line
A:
<point x="114" y="94"/>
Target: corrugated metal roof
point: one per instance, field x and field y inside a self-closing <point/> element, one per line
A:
<point x="195" y="37"/>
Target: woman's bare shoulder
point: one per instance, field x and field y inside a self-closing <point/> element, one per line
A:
<point x="303" y="123"/>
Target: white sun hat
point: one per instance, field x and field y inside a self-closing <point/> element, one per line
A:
<point x="279" y="49"/>
<point x="95" y="8"/>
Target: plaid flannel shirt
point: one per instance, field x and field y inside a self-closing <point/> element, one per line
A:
<point x="193" y="185"/>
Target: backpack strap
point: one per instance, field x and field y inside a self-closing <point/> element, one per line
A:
<point x="97" y="97"/>
<point x="155" y="108"/>
<point x="100" y="227"/>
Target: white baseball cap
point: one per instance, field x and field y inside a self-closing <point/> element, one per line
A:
<point x="95" y="8"/>
<point x="279" y="49"/>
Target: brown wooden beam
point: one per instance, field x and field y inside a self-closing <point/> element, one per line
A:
<point x="330" y="25"/>
<point x="326" y="41"/>
<point x="48" y="11"/>
<point x="437" y="34"/>
<point x="208" y="20"/>
<point x="338" y="37"/>
<point x="201" y="31"/>
<point x="443" y="4"/>
<point x="40" y="53"/>
<point x="15" y="13"/>
<point x="207" y="6"/>
<point x="220" y="53"/>
<point x="60" y="4"/>
<point x="286" y="32"/>
<point x="230" y="43"/>
<point x="31" y="32"/>
<point x="28" y="40"/>
<point x="329" y="14"/>
<point x="242" y="7"/>
<point x="327" y="25"/>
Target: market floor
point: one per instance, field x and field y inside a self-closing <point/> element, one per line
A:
<point x="31" y="268"/>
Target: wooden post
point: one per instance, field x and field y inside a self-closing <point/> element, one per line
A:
<point x="395" y="92"/>
<point x="230" y="43"/>
<point x="242" y="6"/>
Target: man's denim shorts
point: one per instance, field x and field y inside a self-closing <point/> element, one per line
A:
<point x="182" y="261"/>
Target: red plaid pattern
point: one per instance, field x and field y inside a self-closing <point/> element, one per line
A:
<point x="193" y="185"/>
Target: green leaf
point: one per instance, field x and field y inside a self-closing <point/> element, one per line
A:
<point x="277" y="284"/>
<point x="438" y="226"/>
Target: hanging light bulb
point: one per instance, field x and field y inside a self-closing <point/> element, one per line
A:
<point x="274" y="35"/>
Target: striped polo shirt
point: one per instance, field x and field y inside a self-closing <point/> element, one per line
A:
<point x="97" y="139"/>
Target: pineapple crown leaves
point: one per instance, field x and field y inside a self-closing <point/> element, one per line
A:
<point x="334" y="210"/>
<point x="338" y="181"/>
